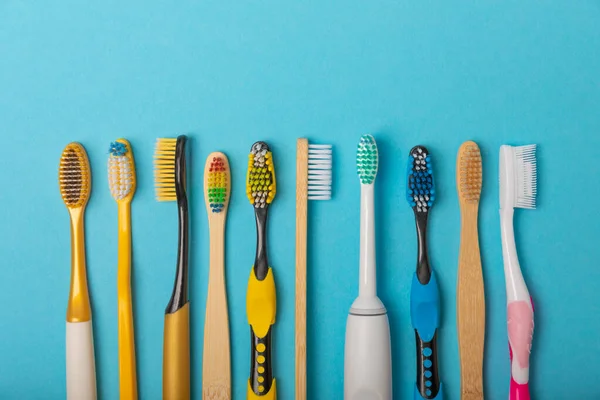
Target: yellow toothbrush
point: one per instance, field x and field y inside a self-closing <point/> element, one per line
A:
<point x="261" y="301"/>
<point x="75" y="184"/>
<point x="170" y="179"/>
<point x="121" y="181"/>
<point x="216" y="361"/>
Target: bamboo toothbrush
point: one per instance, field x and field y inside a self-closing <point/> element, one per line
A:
<point x="367" y="357"/>
<point x="261" y="301"/>
<point x="518" y="188"/>
<point x="424" y="295"/>
<point x="470" y="298"/>
<point x="171" y="185"/>
<point x="75" y="184"/>
<point x="313" y="182"/>
<point x="216" y="361"/>
<point x="122" y="184"/>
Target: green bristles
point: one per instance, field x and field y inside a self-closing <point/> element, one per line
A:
<point x="367" y="159"/>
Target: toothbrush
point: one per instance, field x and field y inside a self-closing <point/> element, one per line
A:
<point x="216" y="359"/>
<point x="121" y="181"/>
<point x="75" y="184"/>
<point x="313" y="182"/>
<point x="171" y="185"/>
<point x="424" y="295"/>
<point x="367" y="358"/>
<point x="470" y="298"/>
<point x="518" y="188"/>
<point x="261" y="297"/>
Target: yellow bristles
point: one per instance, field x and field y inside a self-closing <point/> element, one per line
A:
<point x="260" y="182"/>
<point x="164" y="169"/>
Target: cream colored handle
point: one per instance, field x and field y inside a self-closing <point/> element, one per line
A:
<point x="81" y="366"/>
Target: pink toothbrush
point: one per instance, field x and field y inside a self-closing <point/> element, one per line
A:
<point x="518" y="183"/>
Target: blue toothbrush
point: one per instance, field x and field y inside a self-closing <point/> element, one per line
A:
<point x="424" y="296"/>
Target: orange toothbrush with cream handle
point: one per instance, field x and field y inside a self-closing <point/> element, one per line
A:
<point x="75" y="185"/>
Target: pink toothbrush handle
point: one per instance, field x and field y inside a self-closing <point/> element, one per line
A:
<point x="520" y="335"/>
<point x="518" y="392"/>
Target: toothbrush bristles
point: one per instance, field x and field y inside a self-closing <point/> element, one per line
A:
<point x="526" y="164"/>
<point x="319" y="171"/>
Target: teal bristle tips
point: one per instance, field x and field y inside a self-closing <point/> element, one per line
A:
<point x="420" y="188"/>
<point x="367" y="160"/>
<point x="117" y="149"/>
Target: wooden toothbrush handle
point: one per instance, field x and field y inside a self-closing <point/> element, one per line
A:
<point x="470" y="299"/>
<point x="216" y="359"/>
<point x="301" y="251"/>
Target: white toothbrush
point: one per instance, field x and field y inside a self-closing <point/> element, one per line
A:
<point x="518" y="188"/>
<point x="367" y="358"/>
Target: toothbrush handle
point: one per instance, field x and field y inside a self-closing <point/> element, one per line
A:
<point x="81" y="370"/>
<point x="367" y="358"/>
<point x="519" y="311"/>
<point x="261" y="307"/>
<point x="424" y="311"/>
<point x="470" y="307"/>
<point x="176" y="355"/>
<point x="517" y="391"/>
<point x="520" y="335"/>
<point x="428" y="381"/>
<point x="127" y="364"/>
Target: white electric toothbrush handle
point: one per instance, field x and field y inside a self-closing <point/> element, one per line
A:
<point x="367" y="286"/>
<point x="367" y="361"/>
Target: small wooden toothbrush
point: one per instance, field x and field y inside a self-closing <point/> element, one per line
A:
<point x="216" y="360"/>
<point x="313" y="182"/>
<point x="470" y="297"/>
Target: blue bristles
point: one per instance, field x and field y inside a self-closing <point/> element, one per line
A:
<point x="420" y="188"/>
<point x="117" y="149"/>
<point x="216" y="207"/>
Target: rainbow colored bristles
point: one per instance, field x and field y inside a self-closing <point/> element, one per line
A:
<point x="217" y="184"/>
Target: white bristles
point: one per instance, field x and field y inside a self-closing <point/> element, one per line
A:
<point x="526" y="171"/>
<point x="319" y="171"/>
<point x="120" y="176"/>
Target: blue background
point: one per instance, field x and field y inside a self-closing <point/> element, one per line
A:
<point x="230" y="73"/>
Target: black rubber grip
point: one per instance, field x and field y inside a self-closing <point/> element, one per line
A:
<point x="428" y="380"/>
<point x="261" y="372"/>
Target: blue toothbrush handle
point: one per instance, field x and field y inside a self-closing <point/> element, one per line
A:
<point x="424" y="313"/>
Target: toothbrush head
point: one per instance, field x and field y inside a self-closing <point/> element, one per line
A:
<point x="74" y="176"/>
<point x="420" y="188"/>
<point x="217" y="183"/>
<point x="170" y="171"/>
<point x="367" y="160"/>
<point x="121" y="170"/>
<point x="469" y="173"/>
<point x="518" y="176"/>
<point x="260" y="179"/>
<point x="319" y="171"/>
